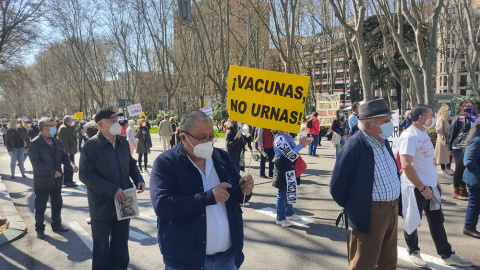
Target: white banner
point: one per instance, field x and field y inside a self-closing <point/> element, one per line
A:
<point x="207" y="110"/>
<point x="134" y="110"/>
<point x="291" y="187"/>
<point x="393" y="140"/>
<point x="285" y="148"/>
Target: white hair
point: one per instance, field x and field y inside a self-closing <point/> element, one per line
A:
<point x="361" y="123"/>
<point x="131" y="123"/>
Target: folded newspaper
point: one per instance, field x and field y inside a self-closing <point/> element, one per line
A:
<point x="128" y="207"/>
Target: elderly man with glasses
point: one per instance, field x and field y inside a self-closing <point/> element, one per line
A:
<point x="47" y="155"/>
<point x="196" y="193"/>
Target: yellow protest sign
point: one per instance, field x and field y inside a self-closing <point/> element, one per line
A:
<point x="79" y="115"/>
<point x="267" y="99"/>
<point x="141" y="115"/>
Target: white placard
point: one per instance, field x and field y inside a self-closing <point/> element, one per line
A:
<point x="128" y="207"/>
<point x="393" y="140"/>
<point x="207" y="110"/>
<point x="134" y="110"/>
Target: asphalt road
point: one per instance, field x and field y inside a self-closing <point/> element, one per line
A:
<point x="315" y="244"/>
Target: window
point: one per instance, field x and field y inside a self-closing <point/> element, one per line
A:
<point x="445" y="80"/>
<point x="441" y="67"/>
<point x="463" y="92"/>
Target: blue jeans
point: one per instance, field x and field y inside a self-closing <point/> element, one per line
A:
<point x="312" y="151"/>
<point x="473" y="208"/>
<point x="337" y="146"/>
<point x="284" y="209"/>
<point x="17" y="156"/>
<point x="222" y="261"/>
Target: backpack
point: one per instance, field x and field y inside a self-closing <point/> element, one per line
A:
<point x="309" y="123"/>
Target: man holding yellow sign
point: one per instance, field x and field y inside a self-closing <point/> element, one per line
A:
<point x="267" y="99"/>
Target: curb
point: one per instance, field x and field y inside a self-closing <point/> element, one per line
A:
<point x="16" y="228"/>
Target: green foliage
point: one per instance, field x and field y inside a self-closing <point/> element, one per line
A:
<point x="162" y="113"/>
<point x="220" y="111"/>
<point x="474" y="97"/>
<point x="432" y="133"/>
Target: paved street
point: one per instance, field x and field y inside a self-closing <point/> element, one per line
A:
<point x="314" y="243"/>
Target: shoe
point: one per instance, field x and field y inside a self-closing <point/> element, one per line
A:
<point x="284" y="223"/>
<point x="449" y="171"/>
<point x="24" y="176"/>
<point x="456" y="194"/>
<point x="12" y="177"/>
<point x="456" y="260"/>
<point x="71" y="185"/>
<point x="464" y="191"/>
<point x="445" y="172"/>
<point x="88" y="220"/>
<point x="294" y="217"/>
<point x="60" y="229"/>
<point x="473" y="233"/>
<point x="319" y="144"/>
<point x="417" y="260"/>
<point x="263" y="176"/>
<point x="40" y="235"/>
<point x="146" y="170"/>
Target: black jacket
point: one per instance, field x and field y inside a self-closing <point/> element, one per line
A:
<point x="459" y="131"/>
<point x="33" y="132"/>
<point x="234" y="146"/>
<point x="47" y="160"/>
<point x="13" y="139"/>
<point x="338" y="129"/>
<point x="103" y="170"/>
<point x="282" y="165"/>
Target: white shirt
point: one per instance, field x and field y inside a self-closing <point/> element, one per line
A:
<point x="218" y="230"/>
<point x="417" y="143"/>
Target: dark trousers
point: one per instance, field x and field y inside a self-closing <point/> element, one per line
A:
<point x="56" y="201"/>
<point x="435" y="221"/>
<point x="110" y="244"/>
<point x="263" y="160"/>
<point x="145" y="157"/>
<point x="459" y="168"/>
<point x="172" y="141"/>
<point x="473" y="208"/>
<point x="67" y="173"/>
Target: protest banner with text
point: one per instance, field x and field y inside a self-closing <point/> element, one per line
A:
<point x="134" y="110"/>
<point x="79" y="115"/>
<point x="327" y="107"/>
<point x="267" y="99"/>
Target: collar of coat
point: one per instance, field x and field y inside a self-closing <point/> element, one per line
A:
<point x="103" y="140"/>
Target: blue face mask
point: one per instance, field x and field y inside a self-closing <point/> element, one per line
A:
<point x="387" y="130"/>
<point x="53" y="130"/>
<point x="341" y="114"/>
<point x="449" y="112"/>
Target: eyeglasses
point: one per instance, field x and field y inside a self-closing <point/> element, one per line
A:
<point x="212" y="138"/>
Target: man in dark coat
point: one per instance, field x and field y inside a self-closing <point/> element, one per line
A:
<point x="66" y="135"/>
<point x="47" y="155"/>
<point x="196" y="195"/>
<point x="106" y="167"/>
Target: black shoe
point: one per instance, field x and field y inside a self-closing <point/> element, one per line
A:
<point x="40" y="235"/>
<point x="60" y="229"/>
<point x="71" y="185"/>
<point x="263" y="176"/>
<point x="473" y="233"/>
<point x="24" y="176"/>
<point x="13" y="177"/>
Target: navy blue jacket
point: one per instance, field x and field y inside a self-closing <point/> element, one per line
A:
<point x="47" y="160"/>
<point x="176" y="191"/>
<point x="103" y="170"/>
<point x="471" y="159"/>
<point x="352" y="180"/>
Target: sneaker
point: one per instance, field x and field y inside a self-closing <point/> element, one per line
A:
<point x="454" y="259"/>
<point x="284" y="223"/>
<point x="450" y="171"/>
<point x="294" y="217"/>
<point x="146" y="170"/>
<point x="472" y="233"/>
<point x="445" y="172"/>
<point x="71" y="185"/>
<point x="417" y="260"/>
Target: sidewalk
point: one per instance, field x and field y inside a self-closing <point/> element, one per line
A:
<point x="15" y="226"/>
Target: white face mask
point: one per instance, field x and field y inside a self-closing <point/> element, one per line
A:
<point x="202" y="150"/>
<point x="72" y="123"/>
<point x="115" y="129"/>
<point x="144" y="124"/>
<point x="429" y="123"/>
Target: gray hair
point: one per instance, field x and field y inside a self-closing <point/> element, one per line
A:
<point x="67" y="118"/>
<point x="131" y="123"/>
<point x="361" y="123"/>
<point x="43" y="122"/>
<point x="91" y="128"/>
<point x="188" y="119"/>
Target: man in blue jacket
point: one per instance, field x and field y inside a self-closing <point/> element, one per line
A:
<point x="366" y="184"/>
<point x="106" y="167"/>
<point x="196" y="195"/>
<point x="47" y="155"/>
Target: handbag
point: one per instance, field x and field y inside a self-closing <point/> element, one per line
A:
<point x="336" y="138"/>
